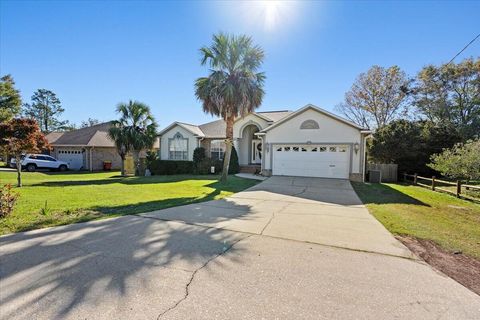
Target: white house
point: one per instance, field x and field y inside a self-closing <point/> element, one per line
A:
<point x="309" y="142"/>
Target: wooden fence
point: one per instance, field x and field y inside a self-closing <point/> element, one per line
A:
<point x="389" y="171"/>
<point x="457" y="188"/>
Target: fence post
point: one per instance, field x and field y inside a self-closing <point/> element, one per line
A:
<point x="415" y="179"/>
<point x="404" y="177"/>
<point x="433" y="183"/>
<point x="459" y="188"/>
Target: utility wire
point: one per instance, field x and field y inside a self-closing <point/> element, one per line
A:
<point x="478" y="36"/>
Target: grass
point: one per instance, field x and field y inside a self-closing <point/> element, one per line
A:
<point x="452" y="223"/>
<point x="50" y="199"/>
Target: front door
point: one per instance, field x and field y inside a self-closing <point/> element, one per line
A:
<point x="256" y="151"/>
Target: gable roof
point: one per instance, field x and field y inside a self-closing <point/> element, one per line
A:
<point x="315" y="108"/>
<point x="214" y="129"/>
<point x="193" y="129"/>
<point x="274" y="116"/>
<point x="82" y="137"/>
<point x="93" y="136"/>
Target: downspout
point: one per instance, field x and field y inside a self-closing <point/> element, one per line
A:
<point x="91" y="162"/>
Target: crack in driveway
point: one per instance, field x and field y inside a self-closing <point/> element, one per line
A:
<point x="194" y="273"/>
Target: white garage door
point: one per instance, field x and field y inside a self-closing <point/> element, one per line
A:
<point x="328" y="161"/>
<point x="74" y="158"/>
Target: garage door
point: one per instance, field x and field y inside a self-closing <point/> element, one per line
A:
<point x="328" y="161"/>
<point x="74" y="158"/>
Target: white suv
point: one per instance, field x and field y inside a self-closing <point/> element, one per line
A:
<point x="32" y="162"/>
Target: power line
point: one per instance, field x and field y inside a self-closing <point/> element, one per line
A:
<point x="478" y="35"/>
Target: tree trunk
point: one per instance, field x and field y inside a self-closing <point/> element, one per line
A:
<point x="136" y="161"/>
<point x="18" y="160"/>
<point x="122" y="169"/>
<point x="228" y="151"/>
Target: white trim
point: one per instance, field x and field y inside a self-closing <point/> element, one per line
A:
<point x="255" y="114"/>
<point x="315" y="108"/>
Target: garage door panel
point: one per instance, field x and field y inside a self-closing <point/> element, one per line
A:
<point x="332" y="161"/>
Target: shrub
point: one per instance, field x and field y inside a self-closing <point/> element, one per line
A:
<point x="462" y="161"/>
<point x="199" y="155"/>
<point x="234" y="166"/>
<point x="8" y="198"/>
<point x="151" y="156"/>
<point x="169" y="167"/>
<point x="204" y="166"/>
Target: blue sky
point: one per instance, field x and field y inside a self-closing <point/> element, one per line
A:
<point x="96" y="54"/>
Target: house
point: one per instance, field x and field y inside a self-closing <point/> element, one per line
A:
<point x="309" y="142"/>
<point x="86" y="148"/>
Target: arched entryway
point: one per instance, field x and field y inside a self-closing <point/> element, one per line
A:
<point x="249" y="145"/>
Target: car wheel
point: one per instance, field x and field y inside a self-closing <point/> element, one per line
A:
<point x="31" y="167"/>
<point x="63" y="168"/>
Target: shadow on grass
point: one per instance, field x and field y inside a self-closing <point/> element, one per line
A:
<point x="377" y="193"/>
<point x="78" y="265"/>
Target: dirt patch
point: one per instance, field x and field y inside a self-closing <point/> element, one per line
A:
<point x="463" y="269"/>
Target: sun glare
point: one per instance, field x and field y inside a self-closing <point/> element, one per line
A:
<point x="272" y="10"/>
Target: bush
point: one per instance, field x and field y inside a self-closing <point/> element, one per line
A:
<point x="234" y="166"/>
<point x="151" y="156"/>
<point x="8" y="198"/>
<point x="199" y="155"/>
<point x="460" y="162"/>
<point x="204" y="166"/>
<point x="169" y="167"/>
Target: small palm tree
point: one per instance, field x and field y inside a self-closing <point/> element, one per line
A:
<point x="234" y="87"/>
<point x="119" y="135"/>
<point x="136" y="130"/>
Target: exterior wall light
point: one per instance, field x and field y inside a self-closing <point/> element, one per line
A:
<point x="356" y="147"/>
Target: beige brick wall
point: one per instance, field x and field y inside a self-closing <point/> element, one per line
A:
<point x="104" y="154"/>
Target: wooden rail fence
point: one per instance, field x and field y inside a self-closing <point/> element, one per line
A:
<point x="438" y="185"/>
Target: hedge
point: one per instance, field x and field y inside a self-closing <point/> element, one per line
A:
<point x="168" y="167"/>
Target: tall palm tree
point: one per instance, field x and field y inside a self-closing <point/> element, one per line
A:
<point x="233" y="87"/>
<point x="136" y="130"/>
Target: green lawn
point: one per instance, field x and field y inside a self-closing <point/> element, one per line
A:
<point x="74" y="197"/>
<point x="452" y="223"/>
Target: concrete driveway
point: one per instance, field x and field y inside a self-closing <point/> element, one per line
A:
<point x="289" y="247"/>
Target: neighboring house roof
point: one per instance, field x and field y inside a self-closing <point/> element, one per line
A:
<point x="313" y="107"/>
<point x="93" y="136"/>
<point x="195" y="130"/>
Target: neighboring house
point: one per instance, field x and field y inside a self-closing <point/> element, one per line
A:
<point x="86" y="148"/>
<point x="309" y="142"/>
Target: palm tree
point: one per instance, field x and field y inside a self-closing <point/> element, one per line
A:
<point x="136" y="130"/>
<point x="118" y="134"/>
<point x="234" y="87"/>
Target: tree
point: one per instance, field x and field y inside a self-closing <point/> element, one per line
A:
<point x="450" y="94"/>
<point x="376" y="97"/>
<point x="460" y="162"/>
<point x="233" y="87"/>
<point x="90" y="122"/>
<point x="137" y="130"/>
<point x="10" y="100"/>
<point x="46" y="108"/>
<point x="410" y="144"/>
<point x="119" y="134"/>
<point x="19" y="136"/>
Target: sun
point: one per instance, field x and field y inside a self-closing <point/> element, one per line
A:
<point x="272" y="11"/>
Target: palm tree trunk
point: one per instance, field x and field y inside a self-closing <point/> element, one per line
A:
<point x="122" y="169"/>
<point x="136" y="161"/>
<point x="228" y="151"/>
<point x="18" y="160"/>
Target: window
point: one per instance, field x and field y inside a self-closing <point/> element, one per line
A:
<point x="303" y="149"/>
<point x="286" y="149"/>
<point x="323" y="149"/>
<point x="178" y="147"/>
<point x="295" y="149"/>
<point x="342" y="149"/>
<point x="279" y="149"/>
<point x="332" y="149"/>
<point x="217" y="149"/>
<point x="309" y="124"/>
<point x="314" y="149"/>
